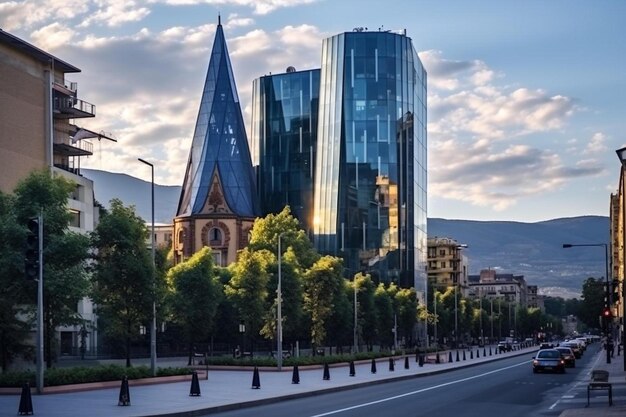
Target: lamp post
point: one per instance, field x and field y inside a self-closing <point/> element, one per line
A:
<point x="279" y="318"/>
<point x="608" y="292"/>
<point x="153" y="330"/>
<point x="456" y="303"/>
<point x="242" y="330"/>
<point x="355" y="336"/>
<point x="621" y="154"/>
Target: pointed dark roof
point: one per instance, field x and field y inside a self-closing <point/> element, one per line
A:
<point x="220" y="144"/>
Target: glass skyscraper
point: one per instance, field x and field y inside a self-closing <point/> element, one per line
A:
<point x="283" y="141"/>
<point x="370" y="171"/>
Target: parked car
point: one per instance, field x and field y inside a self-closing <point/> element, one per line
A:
<point x="548" y="360"/>
<point x="568" y="355"/>
<point x="545" y="345"/>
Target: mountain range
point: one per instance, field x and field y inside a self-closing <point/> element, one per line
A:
<point x="534" y="250"/>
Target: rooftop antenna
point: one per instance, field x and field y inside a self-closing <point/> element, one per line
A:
<point x="219" y="19"/>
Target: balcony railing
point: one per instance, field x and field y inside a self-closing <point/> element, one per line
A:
<point x="72" y="107"/>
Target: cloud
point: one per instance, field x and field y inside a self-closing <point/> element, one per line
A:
<point x="260" y="7"/>
<point x="116" y="12"/>
<point x="494" y="129"/>
<point x="597" y="143"/>
<point x="28" y="13"/>
<point x="52" y="36"/>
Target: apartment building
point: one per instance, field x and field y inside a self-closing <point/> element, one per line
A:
<point x="447" y="266"/>
<point x="41" y="126"/>
<point x="507" y="287"/>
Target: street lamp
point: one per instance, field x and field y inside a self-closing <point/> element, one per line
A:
<point x="621" y="154"/>
<point x="608" y="292"/>
<point x="456" y="287"/>
<point x="279" y="327"/>
<point x="355" y="336"/>
<point x="242" y="331"/>
<point x="153" y="330"/>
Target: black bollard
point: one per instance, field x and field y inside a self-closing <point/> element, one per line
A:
<point x="373" y="366"/>
<point x="464" y="356"/>
<point x="406" y="362"/>
<point x="457" y="356"/>
<point x="124" y="398"/>
<point x="194" y="391"/>
<point x="295" y="378"/>
<point x="326" y="376"/>
<point x="484" y="352"/>
<point x="449" y="356"/>
<point x="417" y="355"/>
<point x="26" y="401"/>
<point x="392" y="365"/>
<point x="256" y="380"/>
<point x="421" y="362"/>
<point x="352" y="370"/>
<point x="489" y="350"/>
<point x="471" y="354"/>
<point x="437" y="358"/>
<point x="477" y="353"/>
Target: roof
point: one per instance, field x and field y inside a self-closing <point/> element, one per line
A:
<point x="220" y="145"/>
<point x="31" y="50"/>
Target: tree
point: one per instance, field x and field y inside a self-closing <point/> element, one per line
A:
<point x="13" y="330"/>
<point x="405" y="301"/>
<point x="247" y="288"/>
<point x="320" y="281"/>
<point x="340" y="326"/>
<point x="367" y="308"/>
<point x="593" y="295"/>
<point x="65" y="253"/>
<point x="196" y="293"/>
<point x="124" y="281"/>
<point x="384" y="315"/>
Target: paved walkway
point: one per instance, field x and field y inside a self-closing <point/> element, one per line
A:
<point x="230" y="389"/>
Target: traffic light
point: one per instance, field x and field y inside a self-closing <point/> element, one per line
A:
<point x="606" y="313"/>
<point x="31" y="259"/>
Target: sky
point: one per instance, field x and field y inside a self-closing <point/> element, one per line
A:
<point x="526" y="99"/>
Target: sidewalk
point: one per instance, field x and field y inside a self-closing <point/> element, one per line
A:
<point x="231" y="389"/>
<point x="599" y="402"/>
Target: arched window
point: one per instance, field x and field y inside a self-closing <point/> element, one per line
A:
<point x="180" y="239"/>
<point x="215" y="237"/>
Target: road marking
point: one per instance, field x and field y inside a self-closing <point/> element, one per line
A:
<point x="395" y="397"/>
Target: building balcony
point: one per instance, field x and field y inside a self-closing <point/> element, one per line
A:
<point x="72" y="108"/>
<point x="65" y="146"/>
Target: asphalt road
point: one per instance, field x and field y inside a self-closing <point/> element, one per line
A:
<point x="501" y="388"/>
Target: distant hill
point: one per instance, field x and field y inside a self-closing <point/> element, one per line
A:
<point x="534" y="250"/>
<point x="131" y="190"/>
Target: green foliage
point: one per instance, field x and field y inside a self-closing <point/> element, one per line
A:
<point x="322" y="280"/>
<point x="384" y="315"/>
<point x="124" y="284"/>
<point x="593" y="295"/>
<point x="247" y="288"/>
<point x="82" y="375"/>
<point x="65" y="253"/>
<point x="195" y="295"/>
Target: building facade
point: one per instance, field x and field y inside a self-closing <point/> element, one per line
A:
<point x="447" y="266"/>
<point x="283" y="141"/>
<point x="617" y="234"/>
<point x="370" y="169"/>
<point x="506" y="287"/>
<point x="218" y="203"/>
<point x="41" y="128"/>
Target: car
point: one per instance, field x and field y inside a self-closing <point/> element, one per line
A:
<point x="575" y="347"/>
<point x="545" y="345"/>
<point x="548" y="360"/>
<point x="568" y="355"/>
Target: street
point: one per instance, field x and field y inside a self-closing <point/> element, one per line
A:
<point x="501" y="388"/>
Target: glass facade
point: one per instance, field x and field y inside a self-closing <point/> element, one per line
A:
<point x="220" y="145"/>
<point x="370" y="173"/>
<point x="283" y="141"/>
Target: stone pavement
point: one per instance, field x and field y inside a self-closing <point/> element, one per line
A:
<point x="230" y="389"/>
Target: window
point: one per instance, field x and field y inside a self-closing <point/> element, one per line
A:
<point x="215" y="237"/>
<point x="443" y="264"/>
<point x="75" y="219"/>
<point x="217" y="258"/>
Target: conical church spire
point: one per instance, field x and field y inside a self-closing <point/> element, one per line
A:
<point x="219" y="168"/>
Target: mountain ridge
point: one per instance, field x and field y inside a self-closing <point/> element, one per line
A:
<point x="532" y="249"/>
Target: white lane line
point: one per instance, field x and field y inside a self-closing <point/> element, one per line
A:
<point x="395" y="397"/>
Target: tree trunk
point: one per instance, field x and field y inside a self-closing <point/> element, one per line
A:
<point x="191" y="352"/>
